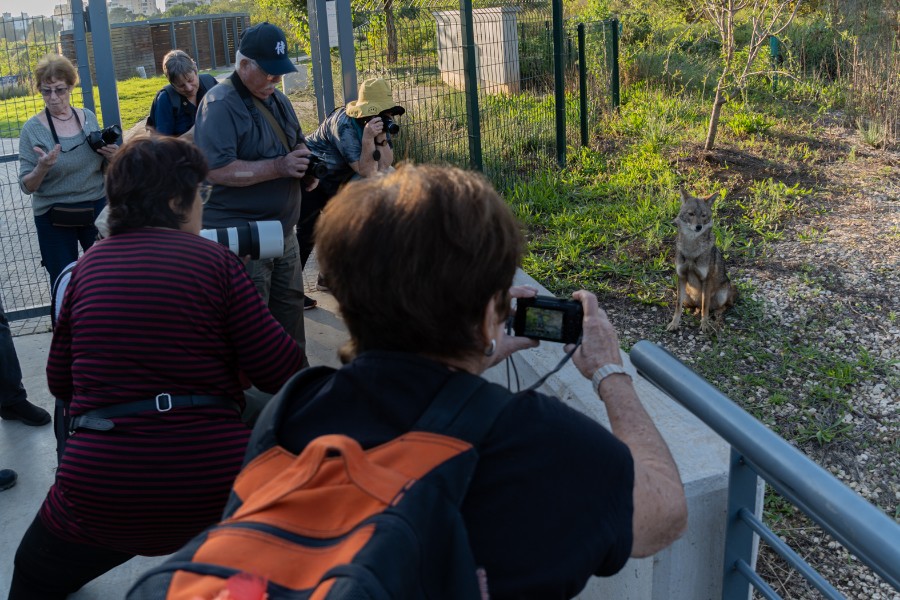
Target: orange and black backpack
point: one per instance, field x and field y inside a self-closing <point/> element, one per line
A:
<point x="340" y="522"/>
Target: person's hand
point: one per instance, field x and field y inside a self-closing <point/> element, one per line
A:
<point x="46" y="160"/>
<point x="294" y="163"/>
<point x="599" y="341"/>
<point x="310" y="183"/>
<point x="374" y="127"/>
<point x="108" y="150"/>
<point x="508" y="345"/>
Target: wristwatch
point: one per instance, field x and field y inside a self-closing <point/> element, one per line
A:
<point x="604" y="372"/>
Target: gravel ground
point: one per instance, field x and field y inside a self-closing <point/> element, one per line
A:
<point x="813" y="350"/>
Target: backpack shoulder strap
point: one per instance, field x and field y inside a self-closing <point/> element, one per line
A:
<point x="465" y="407"/>
<point x="264" y="431"/>
<point x="207" y="81"/>
<point x="174" y="98"/>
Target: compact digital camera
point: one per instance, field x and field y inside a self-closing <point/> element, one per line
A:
<point x="256" y="239"/>
<point x="548" y="318"/>
<point x="104" y="137"/>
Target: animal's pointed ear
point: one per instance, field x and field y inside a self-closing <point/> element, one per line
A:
<point x="711" y="198"/>
<point x="682" y="194"/>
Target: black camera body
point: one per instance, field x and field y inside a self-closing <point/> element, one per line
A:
<point x="104" y="137"/>
<point x="548" y="318"/>
<point x="389" y="125"/>
<point x="316" y="168"/>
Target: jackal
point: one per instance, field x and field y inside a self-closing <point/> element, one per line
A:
<point x="702" y="283"/>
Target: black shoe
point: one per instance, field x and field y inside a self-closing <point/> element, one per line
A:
<point x="309" y="303"/>
<point x="7" y="479"/>
<point x="26" y="412"/>
<point x="322" y="283"/>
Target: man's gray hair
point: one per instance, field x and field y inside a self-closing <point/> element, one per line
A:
<point x="177" y="63"/>
<point x="238" y="57"/>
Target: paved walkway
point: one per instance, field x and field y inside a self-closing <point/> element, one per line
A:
<point x="31" y="451"/>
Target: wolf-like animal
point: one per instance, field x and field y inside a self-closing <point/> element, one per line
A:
<point x="702" y="283"/>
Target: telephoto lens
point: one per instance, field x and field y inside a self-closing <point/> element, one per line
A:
<point x="256" y="239"/>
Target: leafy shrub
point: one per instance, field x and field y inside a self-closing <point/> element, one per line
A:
<point x="744" y="123"/>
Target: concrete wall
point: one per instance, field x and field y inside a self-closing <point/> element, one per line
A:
<point x="690" y="569"/>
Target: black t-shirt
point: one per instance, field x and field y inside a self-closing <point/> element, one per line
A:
<point x="551" y="500"/>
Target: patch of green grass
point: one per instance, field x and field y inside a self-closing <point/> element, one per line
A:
<point x="135" y="96"/>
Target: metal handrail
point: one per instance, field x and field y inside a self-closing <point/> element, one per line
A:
<point x="863" y="529"/>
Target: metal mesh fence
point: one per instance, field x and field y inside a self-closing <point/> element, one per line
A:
<point x="23" y="282"/>
<point x="420" y="50"/>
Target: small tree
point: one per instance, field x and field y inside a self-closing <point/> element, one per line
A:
<point x="765" y="18"/>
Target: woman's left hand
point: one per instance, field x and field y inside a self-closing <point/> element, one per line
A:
<point x="108" y="150"/>
<point x="508" y="345"/>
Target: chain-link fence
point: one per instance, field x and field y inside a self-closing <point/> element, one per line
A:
<point x="23" y="282"/>
<point x="432" y="53"/>
<point x="509" y="129"/>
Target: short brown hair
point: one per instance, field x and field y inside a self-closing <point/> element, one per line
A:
<point x="177" y="63"/>
<point x="54" y="66"/>
<point x="148" y="171"/>
<point x="413" y="258"/>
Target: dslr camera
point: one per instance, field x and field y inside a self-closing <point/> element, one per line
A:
<point x="316" y="168"/>
<point x="104" y="137"/>
<point x="548" y="318"/>
<point x="390" y="126"/>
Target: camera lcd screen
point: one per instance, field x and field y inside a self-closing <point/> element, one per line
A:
<point x="545" y="323"/>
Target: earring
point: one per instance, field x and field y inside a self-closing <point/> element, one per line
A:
<point x="493" y="347"/>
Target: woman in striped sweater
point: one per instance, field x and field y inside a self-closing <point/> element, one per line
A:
<point x="167" y="328"/>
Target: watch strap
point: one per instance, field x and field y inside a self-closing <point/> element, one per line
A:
<point x="605" y="371"/>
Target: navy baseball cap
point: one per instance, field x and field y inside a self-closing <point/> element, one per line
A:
<point x="265" y="43"/>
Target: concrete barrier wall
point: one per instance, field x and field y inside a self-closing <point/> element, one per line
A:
<point x="690" y="569"/>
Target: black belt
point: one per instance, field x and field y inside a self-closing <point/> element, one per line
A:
<point x="99" y="418"/>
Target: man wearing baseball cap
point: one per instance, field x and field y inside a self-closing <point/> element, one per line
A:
<point x="257" y="155"/>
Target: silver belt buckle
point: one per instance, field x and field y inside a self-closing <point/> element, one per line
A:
<point x="164" y="402"/>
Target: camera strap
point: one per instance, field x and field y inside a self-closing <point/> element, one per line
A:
<point x="256" y="107"/>
<point x="53" y="128"/>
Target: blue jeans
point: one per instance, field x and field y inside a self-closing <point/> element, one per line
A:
<point x="11" y="388"/>
<point x="280" y="283"/>
<point x="59" y="245"/>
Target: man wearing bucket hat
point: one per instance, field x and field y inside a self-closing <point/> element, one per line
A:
<point x="251" y="137"/>
<point x="352" y="142"/>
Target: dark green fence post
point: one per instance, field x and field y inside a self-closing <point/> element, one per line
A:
<point x="775" y="52"/>
<point x="470" y="68"/>
<point x="612" y="60"/>
<point x="582" y="87"/>
<point x="559" y="83"/>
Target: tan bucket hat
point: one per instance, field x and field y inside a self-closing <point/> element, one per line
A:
<point x="374" y="98"/>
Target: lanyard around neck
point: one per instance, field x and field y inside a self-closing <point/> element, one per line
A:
<point x="53" y="129"/>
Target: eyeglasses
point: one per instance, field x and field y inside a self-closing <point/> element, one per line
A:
<point x="59" y="91"/>
<point x="205" y="191"/>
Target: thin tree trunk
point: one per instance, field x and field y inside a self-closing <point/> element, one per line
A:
<point x="714" y="118"/>
<point x="391" y="31"/>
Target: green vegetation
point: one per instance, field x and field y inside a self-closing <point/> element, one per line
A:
<point x="135" y="97"/>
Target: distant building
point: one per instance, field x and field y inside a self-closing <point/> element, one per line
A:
<point x="171" y="3"/>
<point x="13" y="27"/>
<point x="62" y="13"/>
<point x="137" y="7"/>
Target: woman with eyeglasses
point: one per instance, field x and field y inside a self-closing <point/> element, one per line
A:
<point x="59" y="168"/>
<point x="159" y="333"/>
